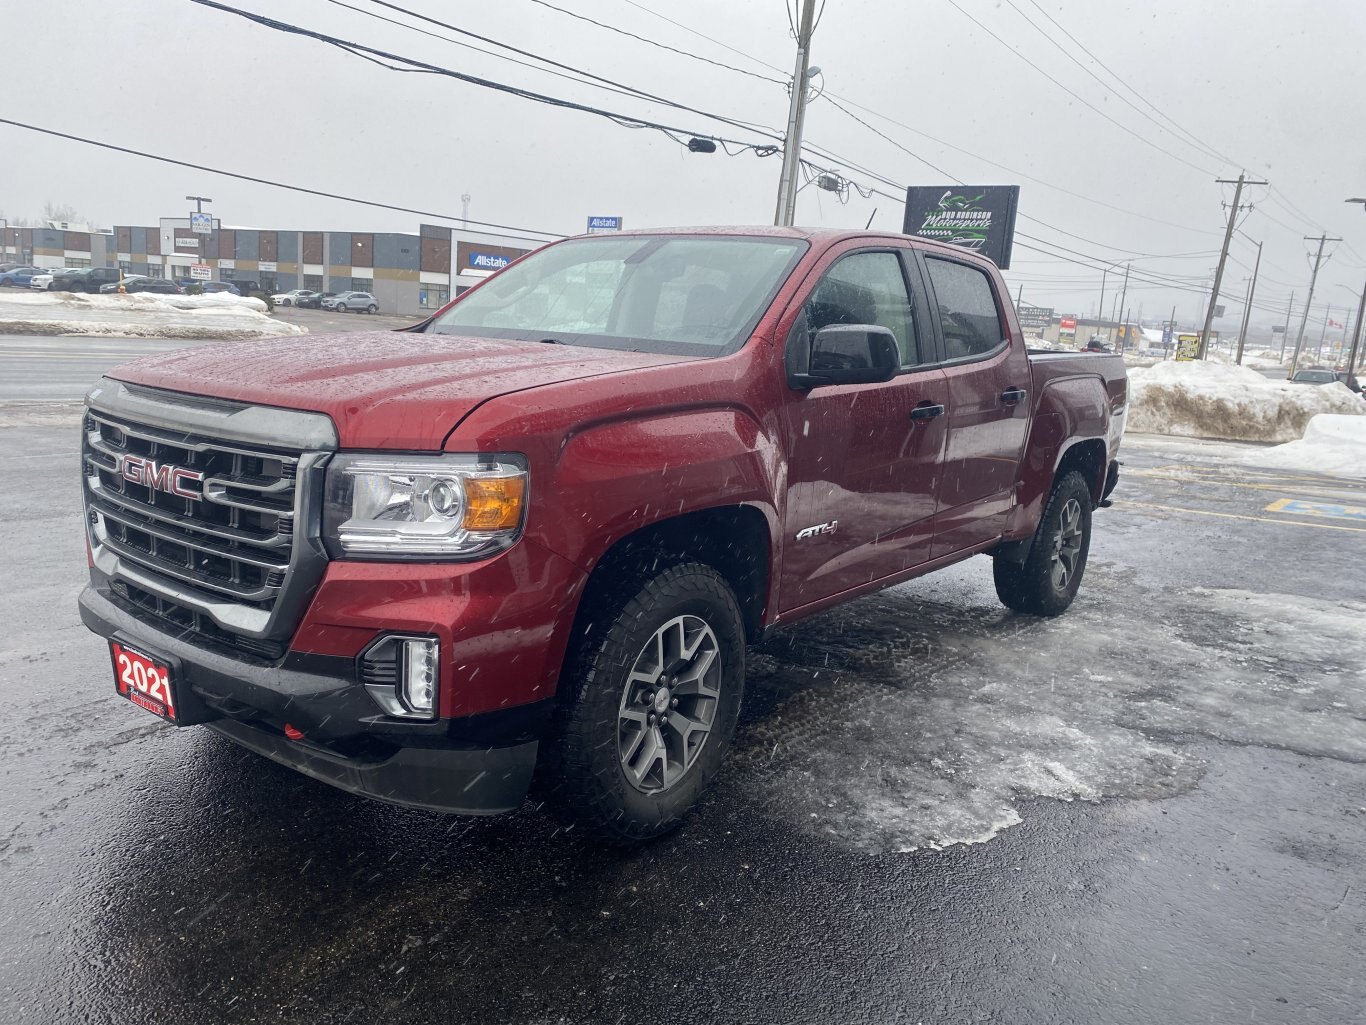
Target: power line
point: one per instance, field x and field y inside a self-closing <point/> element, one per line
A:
<point x="662" y="46"/>
<point x="625" y="120"/>
<point x="1076" y="96"/>
<point x="703" y="35"/>
<point x="282" y="185"/>
<point x="1192" y="137"/>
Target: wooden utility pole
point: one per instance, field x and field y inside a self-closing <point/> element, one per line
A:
<point x="1124" y="294"/>
<point x="1223" y="255"/>
<point x="1304" y="320"/>
<point x="796" y="116"/>
<point x="1247" y="306"/>
<point x="1356" y="335"/>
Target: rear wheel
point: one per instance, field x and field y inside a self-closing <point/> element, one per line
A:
<point x="1046" y="583"/>
<point x="655" y="684"/>
<point x="372" y="308"/>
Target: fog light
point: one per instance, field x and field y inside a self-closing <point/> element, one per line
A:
<point x="402" y="675"/>
<point x="419" y="676"/>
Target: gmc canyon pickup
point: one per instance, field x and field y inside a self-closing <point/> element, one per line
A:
<point x="529" y="539"/>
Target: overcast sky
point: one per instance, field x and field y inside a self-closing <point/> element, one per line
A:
<point x="1271" y="86"/>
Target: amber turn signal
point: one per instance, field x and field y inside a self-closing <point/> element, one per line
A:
<point x="494" y="503"/>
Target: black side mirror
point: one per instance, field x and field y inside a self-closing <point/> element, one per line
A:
<point x="850" y="354"/>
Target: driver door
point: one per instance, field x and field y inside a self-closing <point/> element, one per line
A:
<point x="860" y="497"/>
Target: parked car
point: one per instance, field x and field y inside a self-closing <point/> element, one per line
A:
<point x="1314" y="376"/>
<point x="133" y="283"/>
<point x="19" y="277"/>
<point x="294" y="297"/>
<point x="1096" y="345"/>
<point x="87" y="279"/>
<point x="211" y="287"/>
<point x="352" y="302"/>
<point x="426" y="595"/>
<point x="314" y="301"/>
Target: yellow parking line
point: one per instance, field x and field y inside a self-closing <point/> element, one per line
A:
<point x="1235" y="516"/>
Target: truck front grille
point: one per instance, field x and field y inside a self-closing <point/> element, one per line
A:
<point x="204" y="535"/>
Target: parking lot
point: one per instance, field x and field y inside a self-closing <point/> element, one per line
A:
<point x="1149" y="810"/>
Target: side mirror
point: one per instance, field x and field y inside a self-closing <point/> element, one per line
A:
<point x="850" y="354"/>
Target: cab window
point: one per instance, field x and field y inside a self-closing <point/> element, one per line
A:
<point x="866" y="288"/>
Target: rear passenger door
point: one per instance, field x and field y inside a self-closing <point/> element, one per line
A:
<point x="861" y="472"/>
<point x="987" y="374"/>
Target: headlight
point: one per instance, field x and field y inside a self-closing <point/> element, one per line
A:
<point x="423" y="507"/>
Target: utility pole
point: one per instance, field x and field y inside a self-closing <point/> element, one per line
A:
<point x="1304" y="320"/>
<point x="1124" y="294"/>
<point x="199" y="202"/>
<point x="1247" y="306"/>
<point x="1289" y="312"/>
<point x="1327" y="317"/>
<point x="1356" y="335"/>
<point x="1019" y="296"/>
<point x="1223" y="255"/>
<point x="796" y="116"/>
<point x="1100" y="306"/>
<point x="1171" y="335"/>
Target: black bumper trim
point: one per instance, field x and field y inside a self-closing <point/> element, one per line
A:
<point x="487" y="781"/>
<point x="480" y="765"/>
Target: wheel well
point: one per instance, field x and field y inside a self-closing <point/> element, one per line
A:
<point x="733" y="540"/>
<point x="1088" y="459"/>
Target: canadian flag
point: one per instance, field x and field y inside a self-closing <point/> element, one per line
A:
<point x="1333" y="323"/>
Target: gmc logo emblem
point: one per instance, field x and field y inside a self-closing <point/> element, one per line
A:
<point x="160" y="476"/>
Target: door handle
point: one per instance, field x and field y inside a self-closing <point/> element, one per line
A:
<point x="926" y="411"/>
<point x="1013" y="396"/>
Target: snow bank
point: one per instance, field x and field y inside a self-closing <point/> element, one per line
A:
<point x="1217" y="400"/>
<point x="1332" y="443"/>
<point x="141" y="315"/>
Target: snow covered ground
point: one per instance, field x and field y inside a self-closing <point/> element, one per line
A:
<point x="1219" y="400"/>
<point x="141" y="315"/>
<point x="1332" y="443"/>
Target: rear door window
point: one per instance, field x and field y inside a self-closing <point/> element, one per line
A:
<point x="970" y="322"/>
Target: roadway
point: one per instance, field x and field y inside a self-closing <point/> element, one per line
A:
<point x="1150" y="810"/>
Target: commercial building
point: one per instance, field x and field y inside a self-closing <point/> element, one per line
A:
<point x="408" y="274"/>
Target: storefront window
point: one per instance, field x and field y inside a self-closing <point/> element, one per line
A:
<point x="433" y="297"/>
<point x="313" y="282"/>
<point x="362" y="284"/>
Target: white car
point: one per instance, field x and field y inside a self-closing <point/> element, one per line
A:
<point x="292" y="297"/>
<point x="41" y="281"/>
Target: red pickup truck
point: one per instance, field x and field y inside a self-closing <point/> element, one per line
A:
<point x="532" y="536"/>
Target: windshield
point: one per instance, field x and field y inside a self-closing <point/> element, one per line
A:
<point x="691" y="295"/>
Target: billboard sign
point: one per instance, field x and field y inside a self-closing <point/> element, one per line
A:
<point x="980" y="218"/>
<point x="201" y="224"/>
<point x="201" y="272"/>
<point x="488" y="261"/>
<point x="1187" y="348"/>
<point x="597" y="225"/>
<point x="1035" y="318"/>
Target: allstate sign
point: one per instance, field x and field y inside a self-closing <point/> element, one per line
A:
<point x="597" y="224"/>
<point x="488" y="261"/>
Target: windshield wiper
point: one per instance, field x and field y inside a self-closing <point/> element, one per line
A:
<point x="552" y="341"/>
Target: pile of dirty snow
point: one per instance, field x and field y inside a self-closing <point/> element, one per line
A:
<point x="1217" y="400"/>
<point x="140" y="315"/>
<point x="1332" y="443"/>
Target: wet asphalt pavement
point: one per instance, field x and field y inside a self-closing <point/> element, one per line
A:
<point x="1149" y="810"/>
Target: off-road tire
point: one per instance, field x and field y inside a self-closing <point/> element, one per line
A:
<point x="1033" y="586"/>
<point x="582" y="776"/>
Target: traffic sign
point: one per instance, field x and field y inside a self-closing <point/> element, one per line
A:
<point x="201" y="224"/>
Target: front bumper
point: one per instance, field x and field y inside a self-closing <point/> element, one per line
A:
<point x="479" y="765"/>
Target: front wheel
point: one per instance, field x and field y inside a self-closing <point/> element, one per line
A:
<point x="340" y="307"/>
<point x="654" y="681"/>
<point x="286" y="302"/>
<point x="1046" y="582"/>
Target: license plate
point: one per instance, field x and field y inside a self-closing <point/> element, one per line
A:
<point x="144" y="680"/>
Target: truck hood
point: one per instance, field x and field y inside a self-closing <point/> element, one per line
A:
<point x="382" y="389"/>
